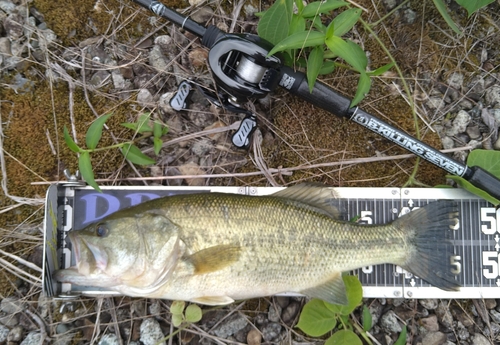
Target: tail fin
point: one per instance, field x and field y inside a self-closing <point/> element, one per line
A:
<point x="431" y="230"/>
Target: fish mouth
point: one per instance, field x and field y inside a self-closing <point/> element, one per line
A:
<point x="76" y="246"/>
<point x="99" y="256"/>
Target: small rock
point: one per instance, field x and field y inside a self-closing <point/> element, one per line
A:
<point x="434" y="338"/>
<point x="33" y="338"/>
<point x="145" y="98"/>
<point x="271" y="331"/>
<point x="4" y="333"/>
<point x="429" y="304"/>
<point x="158" y="61"/>
<point x="5" y="46"/>
<point x="444" y="315"/>
<point x="15" y="334"/>
<point x="12" y="305"/>
<point x="375" y="309"/>
<point x="479" y="339"/>
<point x="398" y="301"/>
<point x="216" y="124"/>
<point x="13" y="26"/>
<point x="495" y="316"/>
<point x="435" y="103"/>
<point x="109" y="339"/>
<point x="231" y="325"/>
<point x="274" y="312"/>
<point x="492" y="331"/>
<point x="195" y="3"/>
<point x="99" y="78"/>
<point x="155" y="308"/>
<point x="492" y="96"/>
<point x="455" y="80"/>
<point x="430" y="323"/>
<point x="474" y="133"/>
<point x="290" y="312"/>
<point x="151" y="332"/>
<point x="389" y="322"/>
<point x="463" y="333"/>
<point x="9" y="320"/>
<point x="164" y="103"/>
<point x="254" y="337"/>
<point x="192" y="168"/>
<point x="447" y="143"/>
<point x="460" y="123"/>
<point x="198" y="58"/>
<point x="203" y="15"/>
<point x="202" y="147"/>
<point x="165" y="43"/>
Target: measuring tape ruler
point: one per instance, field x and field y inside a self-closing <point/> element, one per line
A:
<point x="476" y="237"/>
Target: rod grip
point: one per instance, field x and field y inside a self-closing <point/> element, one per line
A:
<point x="482" y="179"/>
<point x="322" y="96"/>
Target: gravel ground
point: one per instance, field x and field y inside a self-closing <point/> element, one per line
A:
<point x="461" y="103"/>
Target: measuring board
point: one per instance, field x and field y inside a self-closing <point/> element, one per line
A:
<point x="476" y="238"/>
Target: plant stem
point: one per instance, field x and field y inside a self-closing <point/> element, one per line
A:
<point x="362" y="332"/>
<point x="389" y="14"/>
<point x="119" y="145"/>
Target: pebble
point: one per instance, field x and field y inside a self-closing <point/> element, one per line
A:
<point x="271" y="331"/>
<point x="434" y="338"/>
<point x="8" y="320"/>
<point x="492" y="96"/>
<point x="495" y="316"/>
<point x="158" y="61"/>
<point x="202" y="147"/>
<point x="151" y="332"/>
<point x="455" y="80"/>
<point x="479" y="339"/>
<point x="444" y="315"/>
<point x="12" y="305"/>
<point x="274" y="312"/>
<point x="429" y="304"/>
<point x="164" y="103"/>
<point x="435" y="103"/>
<point x="254" y="337"/>
<point x="109" y="339"/>
<point x="231" y="325"/>
<point x="192" y="168"/>
<point x="4" y="332"/>
<point x="390" y="323"/>
<point x="430" y="323"/>
<point x="33" y="338"/>
<point x="145" y="98"/>
<point x="290" y="312"/>
<point x="460" y="123"/>
<point x="15" y="334"/>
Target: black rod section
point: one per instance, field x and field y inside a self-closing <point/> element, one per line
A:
<point x="163" y="11"/>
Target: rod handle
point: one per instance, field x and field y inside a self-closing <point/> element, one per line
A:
<point x="484" y="180"/>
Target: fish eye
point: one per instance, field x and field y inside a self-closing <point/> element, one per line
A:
<point x="101" y="230"/>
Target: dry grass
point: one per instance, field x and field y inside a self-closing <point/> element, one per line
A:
<point x="302" y="155"/>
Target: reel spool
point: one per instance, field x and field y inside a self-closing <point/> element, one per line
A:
<point x="241" y="67"/>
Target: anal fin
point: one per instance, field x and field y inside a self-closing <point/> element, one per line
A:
<point x="213" y="300"/>
<point x="333" y="291"/>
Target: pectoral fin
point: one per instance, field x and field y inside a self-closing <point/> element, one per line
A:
<point x="214" y="258"/>
<point x="213" y="300"/>
<point x="333" y="291"/>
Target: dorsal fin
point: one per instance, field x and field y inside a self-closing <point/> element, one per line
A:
<point x="314" y="194"/>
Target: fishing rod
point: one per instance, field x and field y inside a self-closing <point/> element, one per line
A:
<point x="242" y="70"/>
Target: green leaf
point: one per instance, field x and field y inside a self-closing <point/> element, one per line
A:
<point x="473" y="189"/>
<point x="402" y="337"/>
<point x="134" y="154"/>
<point x="327" y="67"/>
<point x="157" y="132"/>
<point x="381" y="70"/>
<point x="299" y="40"/>
<point x="298" y="24"/>
<point x="164" y="130"/>
<point x="177" y="319"/>
<point x="95" y="131"/>
<point x="489" y="160"/>
<point x="193" y="313"/>
<point x="157" y="144"/>
<point x="314" y="63"/>
<point x="473" y="5"/>
<point x="319" y="25"/>
<point x="344" y="337"/>
<point x="367" y="319"/>
<point x="330" y="30"/>
<point x="69" y="141"/>
<point x="318" y="7"/>
<point x="85" y="167"/>
<point x="275" y="22"/>
<point x="177" y="307"/>
<point x="364" y="85"/>
<point x="349" y="51"/>
<point x="316" y="319"/>
<point x="345" y="21"/>
<point x="441" y="7"/>
<point x="354" y="292"/>
<point x="300" y="5"/>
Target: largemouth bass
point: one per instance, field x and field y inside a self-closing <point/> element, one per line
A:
<point x="214" y="248"/>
